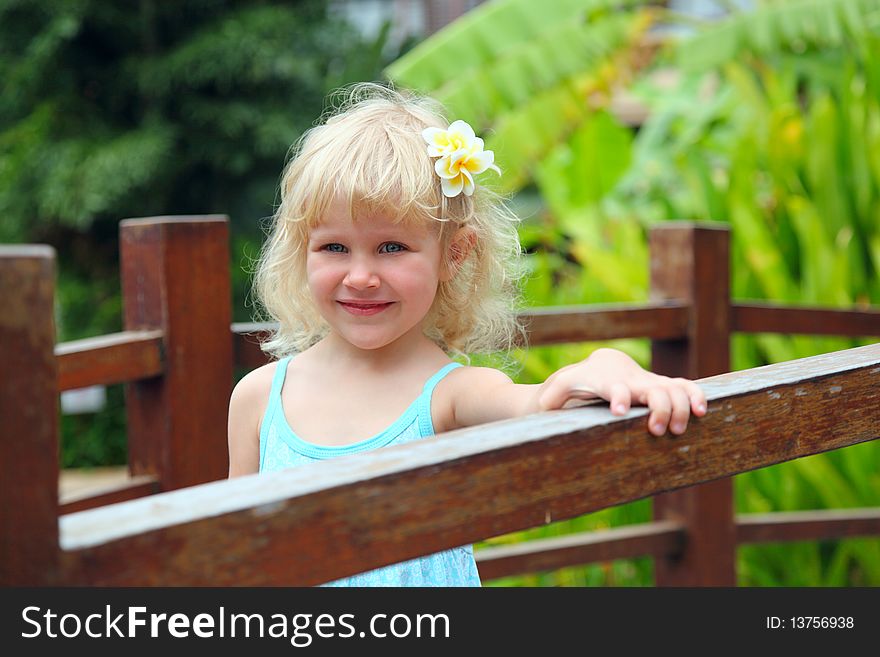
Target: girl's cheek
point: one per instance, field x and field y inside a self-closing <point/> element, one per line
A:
<point x="320" y="276"/>
<point x="320" y="266"/>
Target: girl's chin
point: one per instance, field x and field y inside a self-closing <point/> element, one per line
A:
<point x="370" y="346"/>
<point x="370" y="338"/>
<point x="367" y="342"/>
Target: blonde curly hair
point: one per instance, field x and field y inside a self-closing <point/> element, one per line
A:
<point x="369" y="151"/>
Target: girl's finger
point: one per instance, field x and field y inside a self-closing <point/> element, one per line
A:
<point x="696" y="396"/>
<point x="681" y="409"/>
<point x="661" y="409"/>
<point x="698" y="399"/>
<point x="620" y="398"/>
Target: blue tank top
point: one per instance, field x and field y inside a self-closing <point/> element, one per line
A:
<point x="281" y="448"/>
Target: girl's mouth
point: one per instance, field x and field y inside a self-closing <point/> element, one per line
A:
<point x="364" y="308"/>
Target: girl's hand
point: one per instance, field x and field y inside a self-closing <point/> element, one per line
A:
<point x="617" y="378"/>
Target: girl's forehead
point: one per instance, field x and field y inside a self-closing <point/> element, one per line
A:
<point x="340" y="217"/>
<point x="375" y="225"/>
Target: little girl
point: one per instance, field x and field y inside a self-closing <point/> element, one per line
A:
<point x="385" y="258"/>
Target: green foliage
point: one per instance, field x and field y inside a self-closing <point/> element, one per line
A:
<point x="784" y="150"/>
<point x="790" y="26"/>
<point x="771" y="124"/>
<point x="520" y="72"/>
<point x="86" y="442"/>
<point x="846" y="478"/>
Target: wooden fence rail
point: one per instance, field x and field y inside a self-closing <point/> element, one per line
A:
<point x="397" y="503"/>
<point x="177" y="356"/>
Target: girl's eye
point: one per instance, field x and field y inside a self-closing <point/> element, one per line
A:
<point x="392" y="247"/>
<point x="335" y="247"/>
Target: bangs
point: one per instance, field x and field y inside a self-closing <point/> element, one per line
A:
<point x="374" y="166"/>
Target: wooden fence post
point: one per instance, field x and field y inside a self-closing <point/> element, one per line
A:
<point x="691" y="262"/>
<point x="29" y="552"/>
<point x="175" y="277"/>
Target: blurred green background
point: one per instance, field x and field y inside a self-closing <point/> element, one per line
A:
<point x="606" y="116"/>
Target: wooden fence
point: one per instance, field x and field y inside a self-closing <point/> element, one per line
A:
<point x="174" y="524"/>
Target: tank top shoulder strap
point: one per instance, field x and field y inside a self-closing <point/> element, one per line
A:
<point x="426" y="426"/>
<point x="274" y="404"/>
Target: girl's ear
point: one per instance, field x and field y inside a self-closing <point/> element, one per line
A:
<point x="460" y="245"/>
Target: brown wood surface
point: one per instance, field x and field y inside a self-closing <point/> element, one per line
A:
<point x="660" y="320"/>
<point x="175" y="278"/>
<point x="29" y="415"/>
<point x="555" y="325"/>
<point x="691" y="262"/>
<point x="649" y="539"/>
<point x="757" y="317"/>
<point x="109" y="359"/>
<point x="807" y="525"/>
<point x="318" y="522"/>
<point x="665" y="540"/>
<point x="132" y="489"/>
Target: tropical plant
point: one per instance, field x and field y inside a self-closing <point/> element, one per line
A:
<point x="785" y="150"/>
<point x="522" y="72"/>
<point x="770" y="123"/>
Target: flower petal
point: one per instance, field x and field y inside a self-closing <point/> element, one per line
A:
<point x="430" y="134"/>
<point x="462" y="130"/>
<point x="467" y="182"/>
<point x="438" y="142"/>
<point x="447" y="167"/>
<point x="479" y="162"/>
<point x="451" y="186"/>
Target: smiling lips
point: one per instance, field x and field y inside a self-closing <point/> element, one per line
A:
<point x="364" y="308"/>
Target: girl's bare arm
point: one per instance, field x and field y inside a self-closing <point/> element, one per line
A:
<point x="246" y="408"/>
<point x="480" y="395"/>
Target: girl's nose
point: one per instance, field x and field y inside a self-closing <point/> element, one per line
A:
<point x="361" y="276"/>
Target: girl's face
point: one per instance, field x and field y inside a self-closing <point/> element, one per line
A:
<point x="373" y="280"/>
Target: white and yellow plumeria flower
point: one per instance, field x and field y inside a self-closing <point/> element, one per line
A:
<point x="461" y="156"/>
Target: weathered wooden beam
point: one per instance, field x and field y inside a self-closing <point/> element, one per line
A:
<point x="691" y="261"/>
<point x="28" y="418"/>
<point x="807" y="525"/>
<point x="548" y="554"/>
<point x="659" y="320"/>
<point x="319" y="522"/>
<point x="659" y="539"/>
<point x="756" y="317"/>
<point x="175" y="278"/>
<point x="108" y="359"/>
<point x="556" y="325"/>
<point x="132" y="489"/>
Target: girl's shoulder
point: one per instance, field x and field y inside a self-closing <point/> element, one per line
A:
<point x="248" y="403"/>
<point x="251" y="393"/>
<point x="469" y="375"/>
